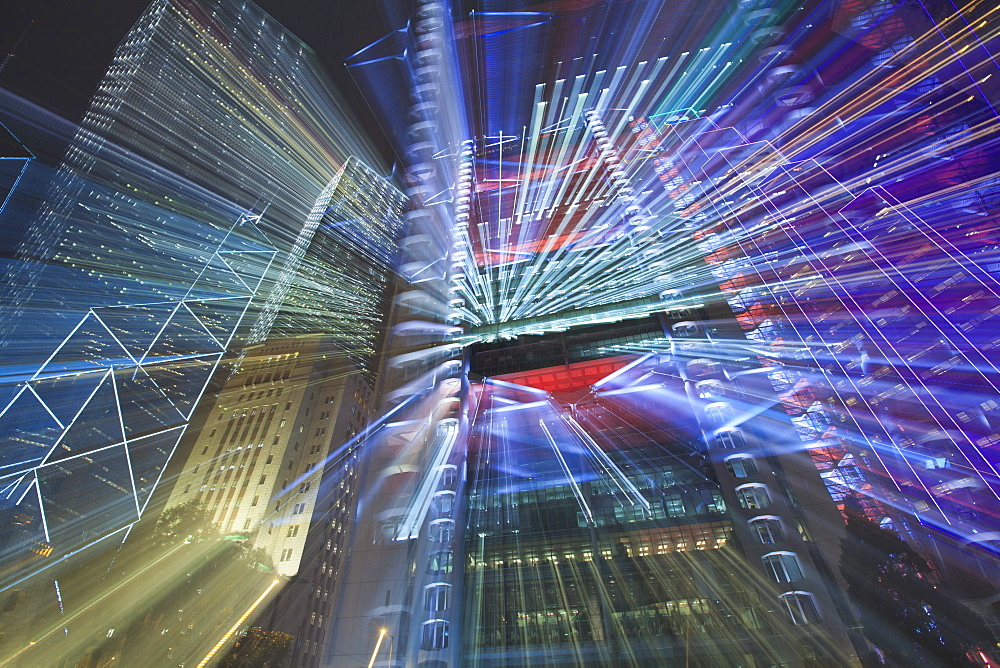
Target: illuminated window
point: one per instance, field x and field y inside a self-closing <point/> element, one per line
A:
<point x="768" y="529"/>
<point x="444" y="502"/>
<point x="741" y="466"/>
<point x="436" y="597"/>
<point x="686" y="330"/>
<point x="449" y="476"/>
<point x="730" y="439"/>
<point x="674" y="504"/>
<point x="710" y="389"/>
<point x="441" y="531"/>
<point x="753" y="496"/>
<point x="783" y="566"/>
<point x="800" y="606"/>
<point x="434" y="635"/>
<point x="440" y="563"/>
<point x="718" y="413"/>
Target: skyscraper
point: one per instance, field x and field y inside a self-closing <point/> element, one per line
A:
<point x="338" y="275"/>
<point x="679" y="287"/>
<point x="144" y="258"/>
<point x="606" y="185"/>
<point x="628" y="511"/>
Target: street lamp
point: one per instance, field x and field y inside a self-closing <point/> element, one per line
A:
<point x="382" y="634"/>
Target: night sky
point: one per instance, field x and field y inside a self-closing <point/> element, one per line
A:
<point x="66" y="46"/>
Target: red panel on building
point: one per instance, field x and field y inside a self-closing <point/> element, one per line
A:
<point x="557" y="379"/>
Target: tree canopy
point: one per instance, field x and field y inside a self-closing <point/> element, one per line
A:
<point x="904" y="614"/>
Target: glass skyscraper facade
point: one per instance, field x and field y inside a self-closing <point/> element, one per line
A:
<point x="146" y="256"/>
<point x="338" y="275"/>
<point x="637" y="544"/>
<point x="668" y="340"/>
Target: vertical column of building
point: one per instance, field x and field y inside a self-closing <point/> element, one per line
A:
<point x="928" y="251"/>
<point x="770" y="478"/>
<point x="432" y="522"/>
<point x="769" y="286"/>
<point x="878" y="388"/>
<point x="396" y="600"/>
<point x="753" y="455"/>
<point x="321" y="502"/>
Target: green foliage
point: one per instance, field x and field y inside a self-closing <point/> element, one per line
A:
<point x="903" y="613"/>
<point x="189" y="519"/>
<point x="258" y="558"/>
<point x="258" y="648"/>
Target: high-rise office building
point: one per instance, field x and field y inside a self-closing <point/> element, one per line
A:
<point x="618" y="516"/>
<point x="864" y="266"/>
<point x="681" y="286"/>
<point x="338" y="275"/>
<point x="254" y="124"/>
<point x="606" y="185"/>
<point x="151" y="249"/>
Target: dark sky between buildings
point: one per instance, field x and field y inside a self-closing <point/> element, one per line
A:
<point x="61" y="48"/>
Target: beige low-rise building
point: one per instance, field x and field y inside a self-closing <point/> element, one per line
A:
<point x="278" y="421"/>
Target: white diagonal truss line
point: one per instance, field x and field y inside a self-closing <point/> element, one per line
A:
<point x="246" y="217"/>
<point x="13" y="486"/>
<point x="29" y="388"/>
<point x="90" y="397"/>
<point x="254" y="287"/>
<point x="41" y="507"/>
<point x="128" y="456"/>
<point x="94" y="313"/>
<point x="33" y="483"/>
<point x="163" y="468"/>
<point x="214" y="337"/>
<point x="25" y="477"/>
